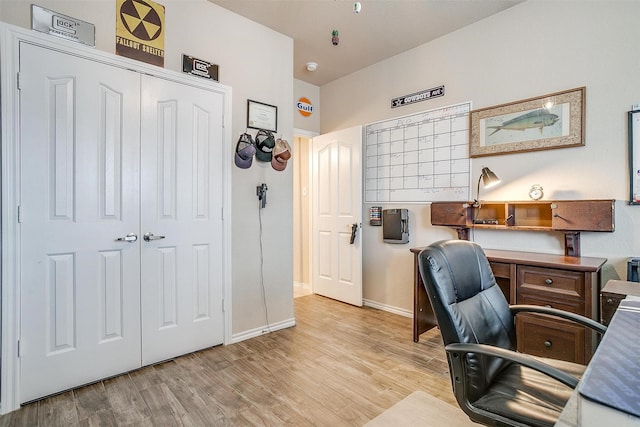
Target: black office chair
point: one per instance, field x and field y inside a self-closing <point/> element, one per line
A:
<point x="493" y="384"/>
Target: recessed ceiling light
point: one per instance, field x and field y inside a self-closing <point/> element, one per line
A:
<point x="312" y="66"/>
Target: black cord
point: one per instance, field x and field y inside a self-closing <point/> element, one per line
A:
<point x="264" y="294"/>
<point x="477" y="204"/>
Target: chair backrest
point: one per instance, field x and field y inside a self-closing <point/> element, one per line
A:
<point x="469" y="306"/>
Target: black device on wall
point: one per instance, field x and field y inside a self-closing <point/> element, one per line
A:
<point x="261" y="192"/>
<point x="395" y="225"/>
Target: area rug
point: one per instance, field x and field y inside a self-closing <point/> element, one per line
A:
<point x="421" y="409"/>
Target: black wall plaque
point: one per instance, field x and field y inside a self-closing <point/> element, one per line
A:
<point x="199" y="67"/>
<point x="418" y="96"/>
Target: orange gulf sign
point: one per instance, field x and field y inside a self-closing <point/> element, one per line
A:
<point x="140" y="30"/>
<point x="304" y="106"/>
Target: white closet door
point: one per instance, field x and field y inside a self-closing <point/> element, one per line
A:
<point x="181" y="190"/>
<point x="79" y="191"/>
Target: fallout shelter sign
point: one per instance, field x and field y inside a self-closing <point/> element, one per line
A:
<point x="140" y="30"/>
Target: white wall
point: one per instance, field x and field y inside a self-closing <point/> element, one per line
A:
<point x="532" y="49"/>
<point x="258" y="64"/>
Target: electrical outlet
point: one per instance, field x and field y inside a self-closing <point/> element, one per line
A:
<point x="635" y="107"/>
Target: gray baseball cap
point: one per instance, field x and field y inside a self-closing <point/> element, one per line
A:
<point x="245" y="149"/>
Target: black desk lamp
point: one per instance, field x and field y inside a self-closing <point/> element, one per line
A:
<point x="489" y="179"/>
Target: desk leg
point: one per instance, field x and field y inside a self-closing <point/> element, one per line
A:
<point x="423" y="317"/>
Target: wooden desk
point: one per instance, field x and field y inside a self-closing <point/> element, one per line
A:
<point x="565" y="282"/>
<point x="611" y="295"/>
<point x="423" y="317"/>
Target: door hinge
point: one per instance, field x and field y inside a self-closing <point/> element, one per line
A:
<point x="18" y="348"/>
<point x="19" y="214"/>
<point x="222" y="213"/>
<point x="223" y="305"/>
<point x="18" y="81"/>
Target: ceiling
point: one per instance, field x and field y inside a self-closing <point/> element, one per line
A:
<point x="382" y="29"/>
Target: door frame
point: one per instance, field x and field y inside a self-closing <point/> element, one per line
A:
<point x="10" y="38"/>
<point x="301" y="133"/>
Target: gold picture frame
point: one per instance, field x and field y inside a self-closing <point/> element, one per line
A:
<point x="542" y="123"/>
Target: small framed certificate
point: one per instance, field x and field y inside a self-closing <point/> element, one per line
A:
<point x="262" y="116"/>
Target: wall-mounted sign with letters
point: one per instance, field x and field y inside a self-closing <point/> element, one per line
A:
<point x="140" y="31"/>
<point x="57" y="24"/>
<point x="417" y="97"/>
<point x="304" y="106"/>
<point x="199" y="67"/>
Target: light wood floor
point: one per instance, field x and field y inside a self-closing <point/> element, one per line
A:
<point x="339" y="366"/>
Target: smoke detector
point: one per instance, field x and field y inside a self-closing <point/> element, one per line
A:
<point x="312" y="66"/>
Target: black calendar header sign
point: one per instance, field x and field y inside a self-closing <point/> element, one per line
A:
<point x="418" y="97"/>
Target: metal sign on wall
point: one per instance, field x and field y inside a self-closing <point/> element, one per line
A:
<point x="57" y="24"/>
<point x="199" y="67"/>
<point x="140" y="30"/>
<point x="304" y="106"/>
<point x="418" y="97"/>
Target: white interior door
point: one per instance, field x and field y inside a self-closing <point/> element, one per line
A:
<point x="79" y="191"/>
<point x="337" y="206"/>
<point x="182" y="189"/>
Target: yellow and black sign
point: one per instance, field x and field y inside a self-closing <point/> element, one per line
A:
<point x="140" y="30"/>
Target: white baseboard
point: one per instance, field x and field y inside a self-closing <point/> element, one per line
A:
<point x="389" y="308"/>
<point x="252" y="333"/>
<point x="302" y="285"/>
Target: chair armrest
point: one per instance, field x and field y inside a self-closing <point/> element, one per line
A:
<point x="519" y="358"/>
<point x="584" y="321"/>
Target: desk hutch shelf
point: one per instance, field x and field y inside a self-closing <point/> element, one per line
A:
<point x="567" y="216"/>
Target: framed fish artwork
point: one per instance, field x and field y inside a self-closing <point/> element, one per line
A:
<point x="551" y="121"/>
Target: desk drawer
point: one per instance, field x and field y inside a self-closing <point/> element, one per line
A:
<point x="571" y="305"/>
<point x="556" y="339"/>
<point x="501" y="269"/>
<point x="550" y="281"/>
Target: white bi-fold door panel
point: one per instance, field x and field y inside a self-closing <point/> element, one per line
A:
<point x="97" y="299"/>
<point x="79" y="191"/>
<point x="181" y="216"/>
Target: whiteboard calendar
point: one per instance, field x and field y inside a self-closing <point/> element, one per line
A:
<point x="422" y="157"/>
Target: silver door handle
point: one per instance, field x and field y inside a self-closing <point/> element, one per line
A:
<point x="150" y="236"/>
<point x="131" y="237"/>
